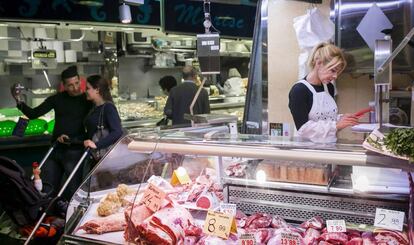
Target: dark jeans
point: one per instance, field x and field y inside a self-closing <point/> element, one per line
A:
<point x="59" y="166"/>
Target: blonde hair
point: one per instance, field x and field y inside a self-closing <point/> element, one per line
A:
<point x="330" y="55"/>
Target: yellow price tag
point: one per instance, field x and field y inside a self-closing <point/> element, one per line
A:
<point x="219" y="224"/>
<point x="180" y="178"/>
<point x="153" y="197"/>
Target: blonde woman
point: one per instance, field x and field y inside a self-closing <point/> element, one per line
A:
<point x="311" y="99"/>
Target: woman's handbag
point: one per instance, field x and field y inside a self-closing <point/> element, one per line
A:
<point x="100" y="133"/>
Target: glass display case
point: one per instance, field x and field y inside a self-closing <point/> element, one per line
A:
<point x="157" y="188"/>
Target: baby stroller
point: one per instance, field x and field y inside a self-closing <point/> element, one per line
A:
<point x="26" y="206"/>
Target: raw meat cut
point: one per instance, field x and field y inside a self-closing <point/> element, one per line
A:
<point x="236" y="170"/>
<point x="390" y="237"/>
<point x="166" y="226"/>
<point x="115" y="222"/>
<point x="368" y="238"/>
<point x="311" y="236"/>
<point x="207" y="200"/>
<point x="285" y="236"/>
<point x="278" y="222"/>
<point x="139" y="214"/>
<point x="315" y="223"/>
<point x="334" y="237"/>
<point x="355" y="241"/>
<point x="193" y="230"/>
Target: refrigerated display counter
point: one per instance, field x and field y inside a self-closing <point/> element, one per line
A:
<point x="281" y="187"/>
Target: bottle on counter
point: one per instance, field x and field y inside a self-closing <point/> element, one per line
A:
<point x="37" y="181"/>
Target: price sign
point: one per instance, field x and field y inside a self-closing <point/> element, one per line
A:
<point x="247" y="239"/>
<point x="336" y="225"/>
<point x="219" y="224"/>
<point x="389" y="219"/>
<point x="228" y="208"/>
<point x="180" y="178"/>
<point x="153" y="197"/>
<point x="289" y="239"/>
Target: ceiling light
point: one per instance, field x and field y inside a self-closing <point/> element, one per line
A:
<point x="3" y="24"/>
<point x="125" y="13"/>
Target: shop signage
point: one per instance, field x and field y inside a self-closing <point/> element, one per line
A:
<point x="147" y="14"/>
<point x="183" y="16"/>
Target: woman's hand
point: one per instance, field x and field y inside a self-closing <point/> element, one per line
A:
<point x="64" y="139"/>
<point x="347" y="120"/>
<point x="90" y="144"/>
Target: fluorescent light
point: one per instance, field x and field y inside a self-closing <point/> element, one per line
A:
<point x="127" y="28"/>
<point x="4" y="24"/>
<point x="86" y="28"/>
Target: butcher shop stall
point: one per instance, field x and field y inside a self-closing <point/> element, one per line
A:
<point x="177" y="187"/>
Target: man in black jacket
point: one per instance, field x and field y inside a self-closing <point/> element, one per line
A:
<point x="71" y="107"/>
<point x="181" y="96"/>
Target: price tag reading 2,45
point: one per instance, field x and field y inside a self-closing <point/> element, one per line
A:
<point x="153" y="197"/>
<point x="389" y="219"/>
<point x="219" y="224"/>
<point x="336" y="225"/>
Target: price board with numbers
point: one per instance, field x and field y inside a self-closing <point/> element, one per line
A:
<point x="219" y="224"/>
<point x="336" y="225"/>
<point x="289" y="239"/>
<point x="389" y="219"/>
<point x="153" y="197"/>
<point x="247" y="239"/>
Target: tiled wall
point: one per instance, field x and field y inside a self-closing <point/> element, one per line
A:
<point x="135" y="74"/>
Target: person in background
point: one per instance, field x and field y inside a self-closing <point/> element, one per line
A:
<point x="167" y="83"/>
<point x="234" y="84"/>
<point x="98" y="91"/>
<point x="311" y="99"/>
<point x="181" y="96"/>
<point x="71" y="107"/>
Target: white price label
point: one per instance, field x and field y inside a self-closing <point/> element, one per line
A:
<point x="228" y="208"/>
<point x="247" y="239"/>
<point x="389" y="219"/>
<point x="336" y="225"/>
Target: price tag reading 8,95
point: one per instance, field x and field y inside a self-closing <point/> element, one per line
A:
<point x="289" y="239"/>
<point x="389" y="219"/>
<point x="153" y="197"/>
<point x="247" y="239"/>
<point x="336" y="225"/>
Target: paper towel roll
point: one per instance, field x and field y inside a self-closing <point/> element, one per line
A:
<point x="60" y="54"/>
<point x="70" y="56"/>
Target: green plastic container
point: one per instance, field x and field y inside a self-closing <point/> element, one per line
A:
<point x="36" y="127"/>
<point x="50" y="126"/>
<point x="6" y="128"/>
